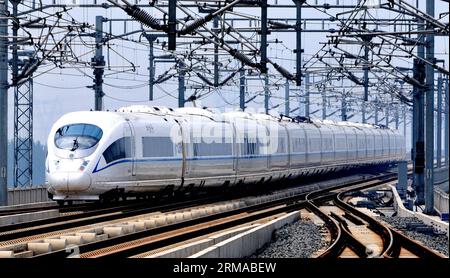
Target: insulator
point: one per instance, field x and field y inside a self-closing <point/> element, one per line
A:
<point x="162" y="79"/>
<point x="143" y="17"/>
<point x="227" y="79"/>
<point x="31" y="22"/>
<point x="204" y="79"/>
<point x="27" y="71"/>
<point x="355" y="79"/>
<point x="244" y="59"/>
<point x="280" y="25"/>
<point x="413" y="82"/>
<point x="189" y="28"/>
<point x="284" y="72"/>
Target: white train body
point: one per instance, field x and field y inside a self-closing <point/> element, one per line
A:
<point x="148" y="149"/>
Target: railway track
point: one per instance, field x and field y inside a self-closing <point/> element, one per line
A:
<point x="208" y="223"/>
<point x="134" y="244"/>
<point x="357" y="234"/>
<point x="88" y="213"/>
<point x="110" y="212"/>
<point x="17" y="237"/>
<point x="145" y="236"/>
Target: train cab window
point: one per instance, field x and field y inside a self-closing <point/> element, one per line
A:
<point x="157" y="146"/>
<point x="77" y="136"/>
<point x="120" y="149"/>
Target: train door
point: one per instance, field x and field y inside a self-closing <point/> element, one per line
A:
<point x="130" y="147"/>
<point x="236" y="151"/>
<point x="264" y="136"/>
<point x="346" y="145"/>
<point x="321" y="145"/>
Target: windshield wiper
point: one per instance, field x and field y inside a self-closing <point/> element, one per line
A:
<point x="75" y="144"/>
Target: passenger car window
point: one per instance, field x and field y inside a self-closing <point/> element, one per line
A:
<point x="157" y="146"/>
<point x="212" y="149"/>
<point x="121" y="148"/>
<point x="77" y="136"/>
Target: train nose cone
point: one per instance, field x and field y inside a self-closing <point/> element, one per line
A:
<point x="58" y="181"/>
<point x="69" y="182"/>
<point x="78" y="181"/>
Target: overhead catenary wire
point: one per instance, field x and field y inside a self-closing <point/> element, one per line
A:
<point x="230" y="66"/>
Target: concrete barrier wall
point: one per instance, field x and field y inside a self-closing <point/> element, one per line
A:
<point x="35" y="194"/>
<point x="404" y="212"/>
<point x="245" y="244"/>
<point x="27" y="206"/>
<point x="441" y="202"/>
<point x="189" y="249"/>
<point x="441" y="199"/>
<point x="27" y="217"/>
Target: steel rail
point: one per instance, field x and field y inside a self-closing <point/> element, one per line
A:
<point x="341" y="237"/>
<point x="392" y="239"/>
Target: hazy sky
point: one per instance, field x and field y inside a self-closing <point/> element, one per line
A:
<point x="64" y="90"/>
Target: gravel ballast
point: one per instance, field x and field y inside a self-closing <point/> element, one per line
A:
<point x="300" y="239"/>
<point x="438" y="242"/>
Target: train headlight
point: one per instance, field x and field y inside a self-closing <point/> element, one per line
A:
<point x="83" y="165"/>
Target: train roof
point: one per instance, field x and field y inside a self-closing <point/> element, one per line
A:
<point x="155" y="110"/>
<point x="231" y="115"/>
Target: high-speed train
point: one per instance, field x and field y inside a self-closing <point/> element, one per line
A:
<point x="94" y="155"/>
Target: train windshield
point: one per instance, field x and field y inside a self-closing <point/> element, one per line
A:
<point x="77" y="136"/>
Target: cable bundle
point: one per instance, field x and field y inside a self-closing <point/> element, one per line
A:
<point x="244" y="59"/>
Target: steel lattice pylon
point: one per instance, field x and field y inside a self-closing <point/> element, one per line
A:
<point x="23" y="134"/>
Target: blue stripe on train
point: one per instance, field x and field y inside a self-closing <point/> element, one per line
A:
<point x="159" y="159"/>
<point x="176" y="159"/>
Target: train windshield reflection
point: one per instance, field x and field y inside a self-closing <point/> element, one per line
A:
<point x="77" y="136"/>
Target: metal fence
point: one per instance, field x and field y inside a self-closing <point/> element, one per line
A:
<point x="441" y="198"/>
<point x="441" y="203"/>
